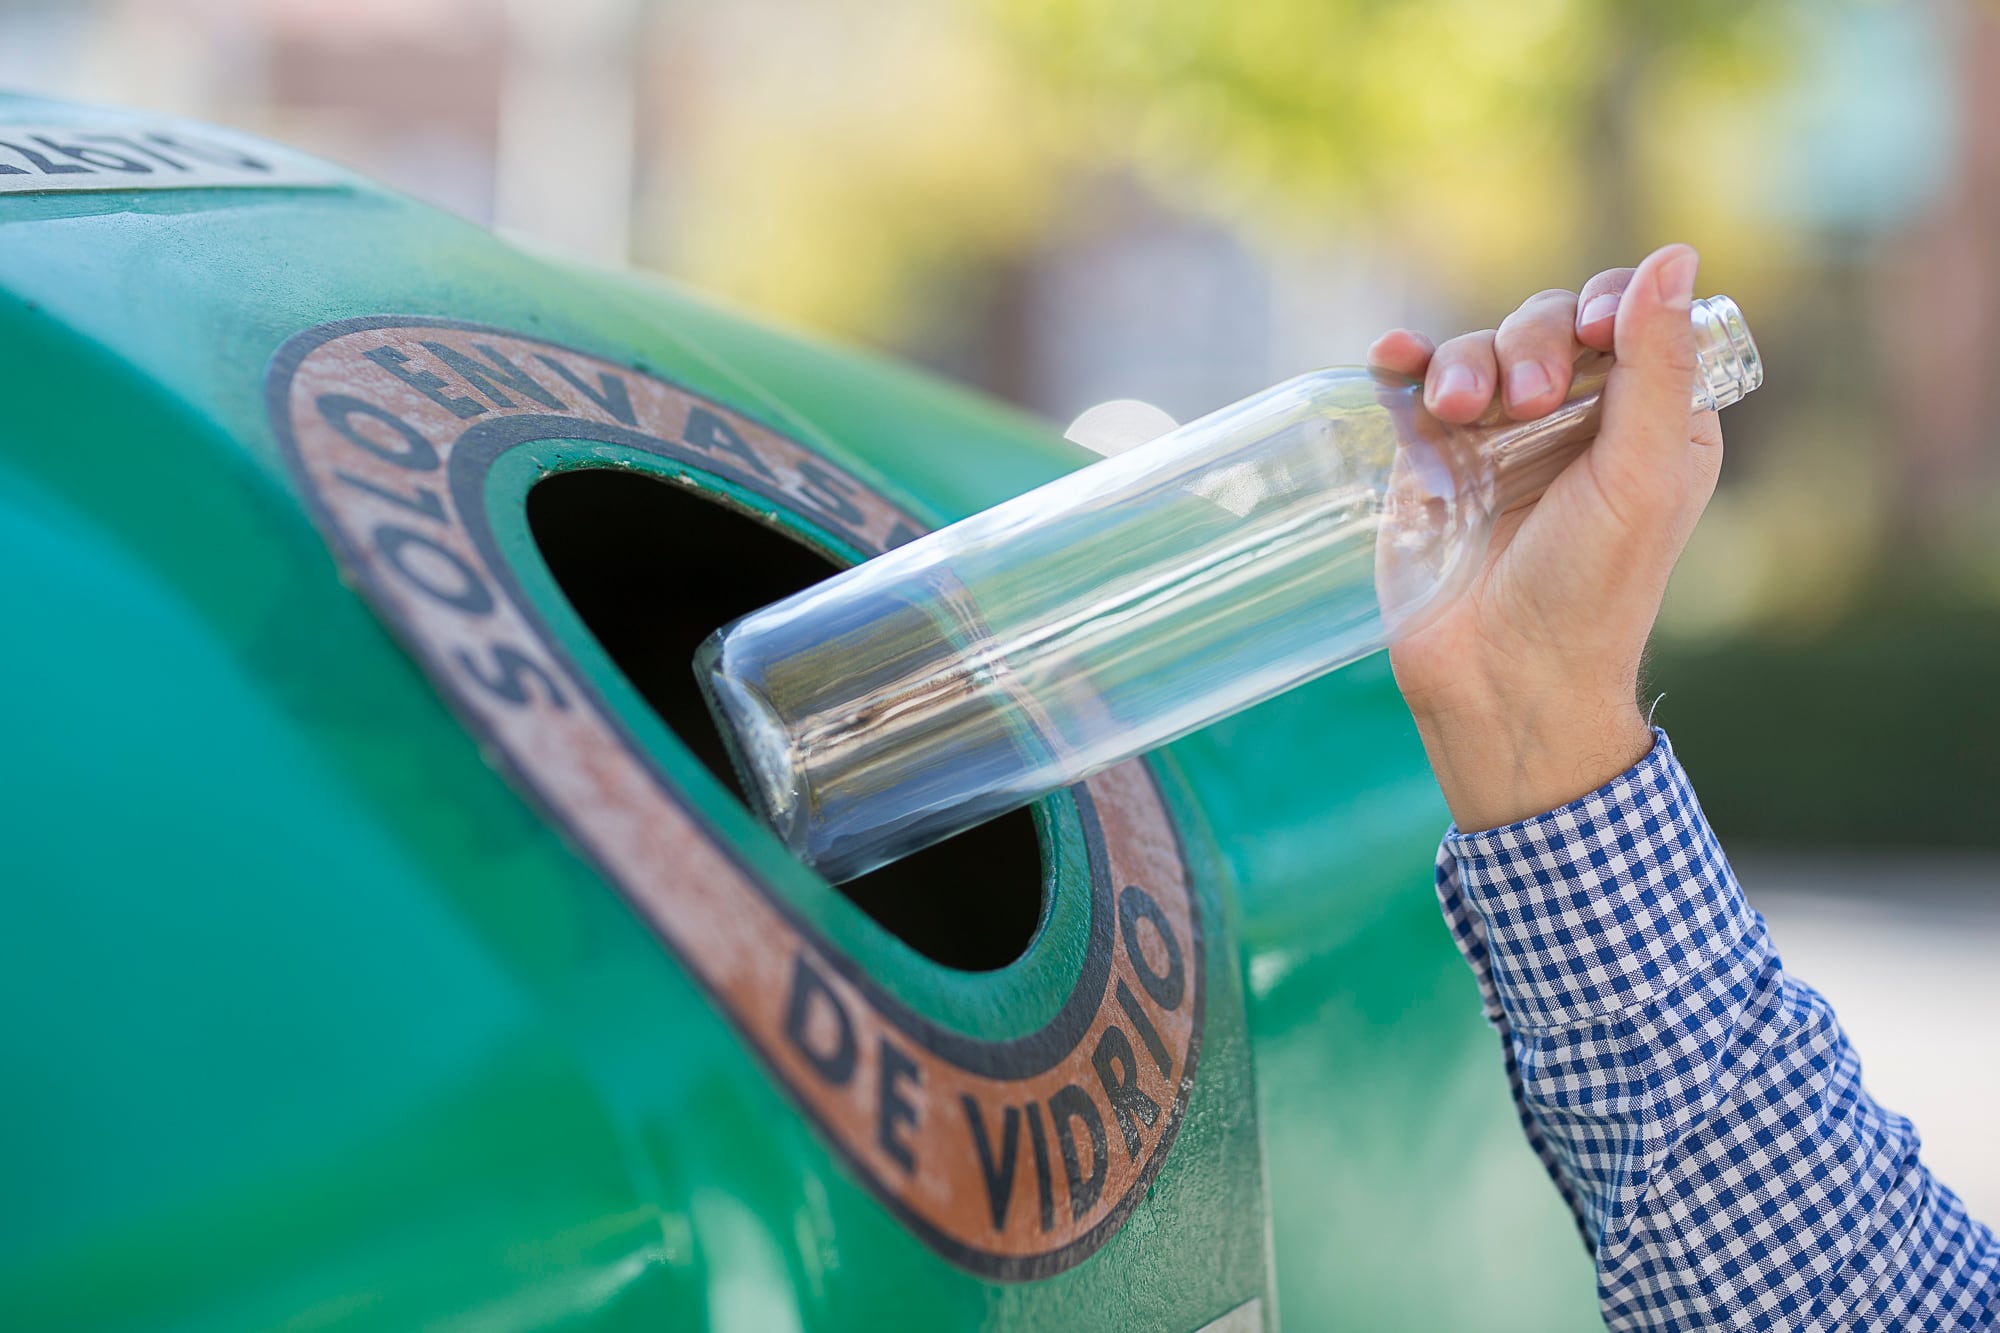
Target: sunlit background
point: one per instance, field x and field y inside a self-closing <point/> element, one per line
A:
<point x="1065" y="202"/>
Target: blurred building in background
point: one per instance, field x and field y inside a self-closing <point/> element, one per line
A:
<point x="1070" y="201"/>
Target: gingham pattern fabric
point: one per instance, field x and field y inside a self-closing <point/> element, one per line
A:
<point x="1697" y="1107"/>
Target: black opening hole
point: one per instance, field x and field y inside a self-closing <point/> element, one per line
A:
<point x="653" y="568"/>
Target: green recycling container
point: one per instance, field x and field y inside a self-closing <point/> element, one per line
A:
<point x="383" y="945"/>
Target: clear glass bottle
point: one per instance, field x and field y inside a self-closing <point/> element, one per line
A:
<point x="1140" y="598"/>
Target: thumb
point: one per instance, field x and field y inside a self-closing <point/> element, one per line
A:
<point x="1648" y="401"/>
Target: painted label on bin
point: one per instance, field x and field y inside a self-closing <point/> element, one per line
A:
<point x="43" y="159"/>
<point x="1013" y="1158"/>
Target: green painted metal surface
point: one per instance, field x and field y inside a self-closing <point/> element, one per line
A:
<point x="316" y="1018"/>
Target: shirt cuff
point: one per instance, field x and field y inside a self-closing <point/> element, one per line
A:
<point x="1605" y="904"/>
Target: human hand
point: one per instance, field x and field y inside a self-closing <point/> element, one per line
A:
<point x="1525" y="688"/>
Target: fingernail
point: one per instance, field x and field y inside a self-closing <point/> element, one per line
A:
<point x="1596" y="308"/>
<point x="1455" y="379"/>
<point x="1676" y="280"/>
<point x="1526" y="382"/>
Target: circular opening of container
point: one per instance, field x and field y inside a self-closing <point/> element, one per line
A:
<point x="652" y="568"/>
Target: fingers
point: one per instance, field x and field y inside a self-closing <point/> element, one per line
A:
<point x="1461" y="378"/>
<point x="1536" y="347"/>
<point x="1528" y="361"/>
<point x="1597" y="307"/>
<point x="1402" y="351"/>
<point x="1647" y="402"/>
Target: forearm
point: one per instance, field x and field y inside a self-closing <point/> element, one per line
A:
<point x="1520" y="756"/>
<point x="1699" y="1107"/>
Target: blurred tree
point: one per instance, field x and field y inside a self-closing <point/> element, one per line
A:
<point x="1488" y="140"/>
<point x="851" y="165"/>
<point x="1481" y="142"/>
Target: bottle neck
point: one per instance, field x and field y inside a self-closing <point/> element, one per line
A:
<point x="1525" y="456"/>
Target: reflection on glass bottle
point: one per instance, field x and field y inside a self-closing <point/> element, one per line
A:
<point x="1104" y="614"/>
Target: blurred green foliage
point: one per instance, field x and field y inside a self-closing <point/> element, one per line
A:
<point x="1876" y="730"/>
<point x="1486" y="137"/>
<point x="1481" y="142"/>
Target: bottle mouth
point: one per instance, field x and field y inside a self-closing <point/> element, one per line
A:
<point x="759" y="746"/>
<point x="1730" y="365"/>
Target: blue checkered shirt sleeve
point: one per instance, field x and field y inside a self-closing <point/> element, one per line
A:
<point x="1698" y="1107"/>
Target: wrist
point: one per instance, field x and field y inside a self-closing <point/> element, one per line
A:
<point x="1499" y="765"/>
